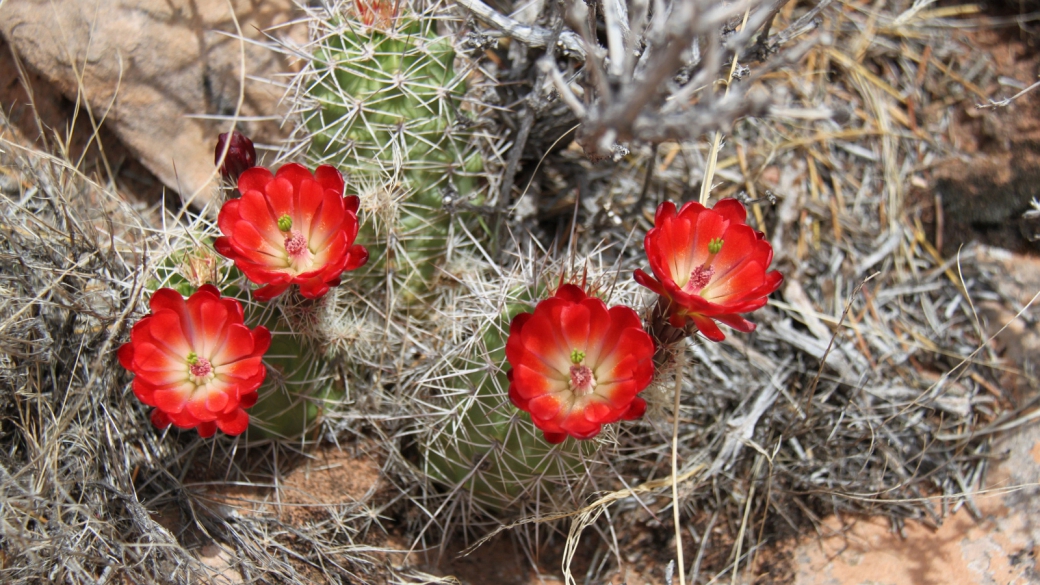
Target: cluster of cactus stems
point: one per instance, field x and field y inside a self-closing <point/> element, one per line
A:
<point x="383" y="104"/>
<point x="386" y="106"/>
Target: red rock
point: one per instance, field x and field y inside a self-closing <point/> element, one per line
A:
<point x="147" y="67"/>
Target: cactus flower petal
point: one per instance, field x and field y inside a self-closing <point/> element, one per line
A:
<point x="318" y="244"/>
<point x="196" y="362"/>
<point x="635" y="410"/>
<point x="577" y="365"/>
<point x="269" y="292"/>
<point x="709" y="266"/>
<point x="555" y="438"/>
<point x="235" y="423"/>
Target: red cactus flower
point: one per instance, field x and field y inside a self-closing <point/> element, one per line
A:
<point x="577" y="365"/>
<point x="377" y="13"/>
<point x="196" y="362"/>
<point x="292" y="227"/>
<point x="710" y="265"/>
<point x="240" y="156"/>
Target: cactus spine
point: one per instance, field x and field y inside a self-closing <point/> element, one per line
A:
<point x="299" y="390"/>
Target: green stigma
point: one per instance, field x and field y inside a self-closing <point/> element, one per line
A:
<point x="577" y="356"/>
<point x="285" y="223"/>
<point x="715" y="245"/>
<point x="193" y="358"/>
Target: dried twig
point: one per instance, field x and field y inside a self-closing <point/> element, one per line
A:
<point x="533" y="36"/>
<point x="1007" y="101"/>
<point x="675" y="473"/>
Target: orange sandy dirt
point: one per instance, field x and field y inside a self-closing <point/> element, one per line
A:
<point x="327" y="478"/>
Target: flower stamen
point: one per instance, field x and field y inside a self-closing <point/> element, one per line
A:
<point x="582" y="380"/>
<point x="714" y="247"/>
<point x="295" y="244"/>
<point x="699" y="278"/>
<point x="201" y="368"/>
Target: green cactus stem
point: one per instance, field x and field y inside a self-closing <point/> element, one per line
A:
<point x="298" y="391"/>
<point x="492" y="450"/>
<point x="387" y="112"/>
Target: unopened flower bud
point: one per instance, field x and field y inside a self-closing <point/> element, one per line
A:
<point x="240" y="157"/>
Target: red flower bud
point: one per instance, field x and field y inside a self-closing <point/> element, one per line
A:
<point x="578" y="365"/>
<point x="240" y="156"/>
<point x="293" y="227"/>
<point x="710" y="266"/>
<point x="196" y="362"/>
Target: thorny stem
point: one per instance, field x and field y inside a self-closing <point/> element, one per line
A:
<point x="662" y="332"/>
<point x="760" y="47"/>
<point x="675" y="474"/>
<point x="713" y="158"/>
<point x="666" y="336"/>
<point x="1004" y="102"/>
<point x="527" y="115"/>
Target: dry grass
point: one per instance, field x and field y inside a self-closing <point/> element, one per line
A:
<point x="73" y="437"/>
<point x="869" y="387"/>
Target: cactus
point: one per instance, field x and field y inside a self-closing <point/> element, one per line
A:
<point x="385" y="109"/>
<point x="488" y="448"/>
<point x="299" y="390"/>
